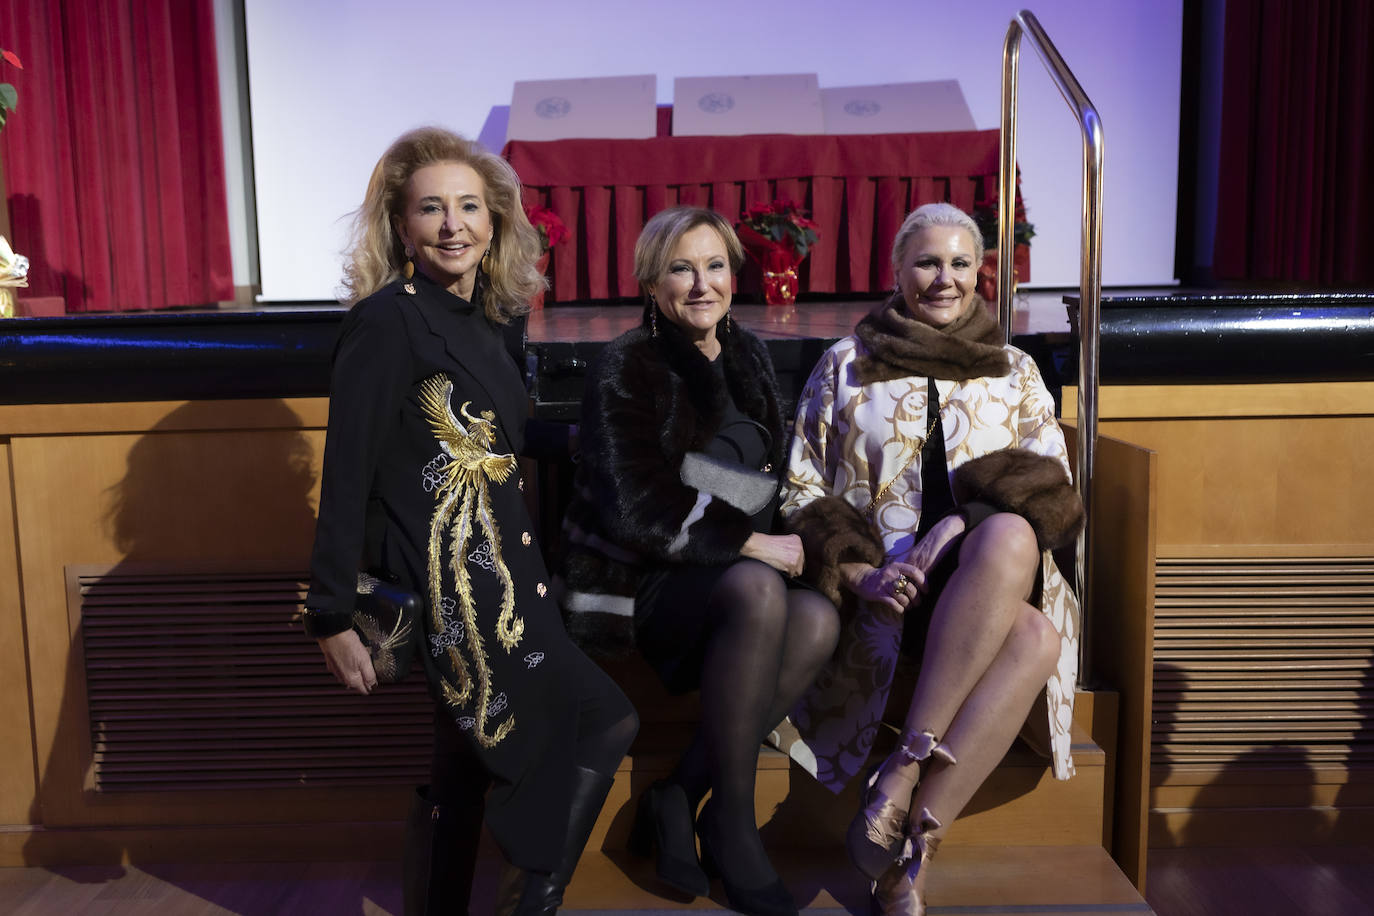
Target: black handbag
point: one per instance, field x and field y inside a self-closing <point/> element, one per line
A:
<point x="387" y="618"/>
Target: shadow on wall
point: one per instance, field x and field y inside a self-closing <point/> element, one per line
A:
<point x="1355" y="799"/>
<point x="1256" y="787"/>
<point x="192" y="500"/>
<point x="28" y="240"/>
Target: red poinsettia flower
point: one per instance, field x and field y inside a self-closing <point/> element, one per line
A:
<point x="551" y="228"/>
<point x="783" y="223"/>
<point x="985" y="215"/>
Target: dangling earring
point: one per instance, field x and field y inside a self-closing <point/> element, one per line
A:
<point x="653" y="317"/>
<point x="408" y="268"/>
<point x="486" y="255"/>
<point x="727" y="321"/>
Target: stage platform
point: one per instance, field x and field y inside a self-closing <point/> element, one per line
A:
<point x="284" y="351"/>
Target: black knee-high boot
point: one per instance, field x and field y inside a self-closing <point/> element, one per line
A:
<point x="543" y="893"/>
<point x="440" y="855"/>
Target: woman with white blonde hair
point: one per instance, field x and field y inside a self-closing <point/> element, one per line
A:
<point x="929" y="481"/>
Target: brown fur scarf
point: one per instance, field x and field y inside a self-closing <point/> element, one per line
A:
<point x="1033" y="486"/>
<point x="900" y="346"/>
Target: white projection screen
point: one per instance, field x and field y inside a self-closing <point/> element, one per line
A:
<point x="332" y="82"/>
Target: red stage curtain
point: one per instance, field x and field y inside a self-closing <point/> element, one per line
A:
<point x="1295" y="190"/>
<point x="858" y="188"/>
<point x="114" y="158"/>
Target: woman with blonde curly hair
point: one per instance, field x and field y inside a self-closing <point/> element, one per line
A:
<point x="421" y="486"/>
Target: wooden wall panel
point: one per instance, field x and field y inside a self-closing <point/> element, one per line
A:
<point x="1120" y="631"/>
<point x="17" y="786"/>
<point x="1275" y="480"/>
<point x="1263" y="653"/>
<point x="174" y="497"/>
<point x="165" y="416"/>
<point x="1252" y="464"/>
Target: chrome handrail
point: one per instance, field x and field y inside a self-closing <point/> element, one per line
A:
<point x="1090" y="268"/>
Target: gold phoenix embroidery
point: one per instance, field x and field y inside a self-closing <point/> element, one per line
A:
<point x="469" y="466"/>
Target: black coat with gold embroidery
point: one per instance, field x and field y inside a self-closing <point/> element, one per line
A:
<point x="426" y="416"/>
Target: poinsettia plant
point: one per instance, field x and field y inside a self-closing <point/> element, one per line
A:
<point x="781" y="221"/>
<point x="778" y="235"/>
<point x="546" y="222"/>
<point x="9" y="96"/>
<point x="985" y="215"/>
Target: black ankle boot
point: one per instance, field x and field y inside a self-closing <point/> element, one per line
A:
<point x="440" y="855"/>
<point x="543" y="893"/>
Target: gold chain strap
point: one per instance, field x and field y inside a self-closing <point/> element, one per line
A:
<point x="920" y="446"/>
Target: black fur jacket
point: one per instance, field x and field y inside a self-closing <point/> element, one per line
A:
<point x="648" y="401"/>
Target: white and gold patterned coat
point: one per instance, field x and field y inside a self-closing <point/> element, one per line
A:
<point x="850" y="440"/>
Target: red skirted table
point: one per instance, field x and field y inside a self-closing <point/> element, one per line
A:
<point x="858" y="188"/>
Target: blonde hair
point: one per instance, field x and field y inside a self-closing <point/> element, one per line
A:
<point x="376" y="253"/>
<point x="937" y="214"/>
<point x="654" y="248"/>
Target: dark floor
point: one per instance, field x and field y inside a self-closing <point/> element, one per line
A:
<point x="1313" y="881"/>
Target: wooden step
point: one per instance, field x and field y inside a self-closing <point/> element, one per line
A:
<point x="1021" y="802"/>
<point x="987" y="880"/>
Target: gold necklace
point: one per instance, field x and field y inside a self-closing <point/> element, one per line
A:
<point x="920" y="446"/>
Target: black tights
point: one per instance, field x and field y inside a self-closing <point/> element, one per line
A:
<point x="764" y="647"/>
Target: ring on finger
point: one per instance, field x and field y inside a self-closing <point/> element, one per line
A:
<point x="899" y="585"/>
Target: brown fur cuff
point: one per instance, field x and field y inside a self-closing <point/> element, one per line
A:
<point x="1033" y="486"/>
<point x="834" y="532"/>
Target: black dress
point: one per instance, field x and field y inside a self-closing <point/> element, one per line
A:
<point x="670" y="620"/>
<point x="426" y="418"/>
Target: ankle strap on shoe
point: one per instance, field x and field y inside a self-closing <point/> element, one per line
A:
<point x="923" y="745"/>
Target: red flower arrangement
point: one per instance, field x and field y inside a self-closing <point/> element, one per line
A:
<point x="551" y="231"/>
<point x="550" y="228"/>
<point x="778" y="235"/>
<point x="9" y="96"/>
<point x="985" y="215"/>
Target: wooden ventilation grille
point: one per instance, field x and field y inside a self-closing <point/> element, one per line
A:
<point x="1264" y="660"/>
<point x="208" y="682"/>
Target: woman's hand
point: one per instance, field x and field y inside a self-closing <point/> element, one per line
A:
<point x="783" y="552"/>
<point x="348" y="661"/>
<point x="935" y="544"/>
<point x="893" y="585"/>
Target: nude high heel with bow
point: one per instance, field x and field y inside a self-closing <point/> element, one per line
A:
<point x="876" y="834"/>
<point x="900" y="890"/>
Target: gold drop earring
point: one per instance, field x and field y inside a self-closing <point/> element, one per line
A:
<point x="408" y="268"/>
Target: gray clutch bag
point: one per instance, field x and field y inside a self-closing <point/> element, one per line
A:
<point x="747" y="490"/>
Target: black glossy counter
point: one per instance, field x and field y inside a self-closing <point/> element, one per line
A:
<point x="1201" y="338"/>
<point x="167" y="356"/>
<point x="1183" y="338"/>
